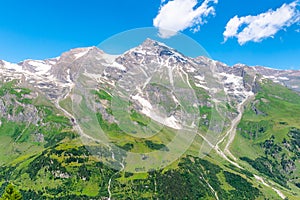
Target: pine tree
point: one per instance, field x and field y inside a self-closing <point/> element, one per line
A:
<point x="11" y="193"/>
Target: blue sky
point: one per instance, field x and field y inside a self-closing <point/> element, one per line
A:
<point x="42" y="29"/>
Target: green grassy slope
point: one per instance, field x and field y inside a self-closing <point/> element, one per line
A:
<point x="61" y="167"/>
<point x="268" y="136"/>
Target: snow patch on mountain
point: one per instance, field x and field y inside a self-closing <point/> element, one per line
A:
<point x="145" y="103"/>
<point x="201" y="86"/>
<point x="201" y="78"/>
<point x="234" y="87"/>
<point x="108" y="58"/>
<point x="236" y="81"/>
<point x="40" y="66"/>
<point x="52" y="62"/>
<point x="13" y="66"/>
<point x="81" y="54"/>
<point x="148" y="110"/>
<point x="118" y="66"/>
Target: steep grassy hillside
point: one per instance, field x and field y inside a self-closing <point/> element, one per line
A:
<point x="268" y="135"/>
<point x="44" y="159"/>
<point x="67" y="171"/>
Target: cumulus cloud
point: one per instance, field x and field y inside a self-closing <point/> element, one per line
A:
<point x="256" y="28"/>
<point x="178" y="15"/>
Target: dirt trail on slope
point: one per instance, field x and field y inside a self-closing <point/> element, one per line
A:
<point x="232" y="131"/>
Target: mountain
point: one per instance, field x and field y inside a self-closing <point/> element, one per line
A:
<point x="288" y="78"/>
<point x="151" y="123"/>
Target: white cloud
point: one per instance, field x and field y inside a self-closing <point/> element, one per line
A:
<point x="178" y="15"/>
<point x="263" y="25"/>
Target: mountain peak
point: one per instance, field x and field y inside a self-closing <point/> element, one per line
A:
<point x="77" y="53"/>
<point x="150" y="43"/>
<point x="153" y="47"/>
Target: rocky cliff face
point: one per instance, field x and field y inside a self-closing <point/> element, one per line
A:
<point x="149" y="64"/>
<point x="16" y="111"/>
<point x="288" y="78"/>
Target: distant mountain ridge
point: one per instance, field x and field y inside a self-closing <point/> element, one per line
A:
<point x="57" y="69"/>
